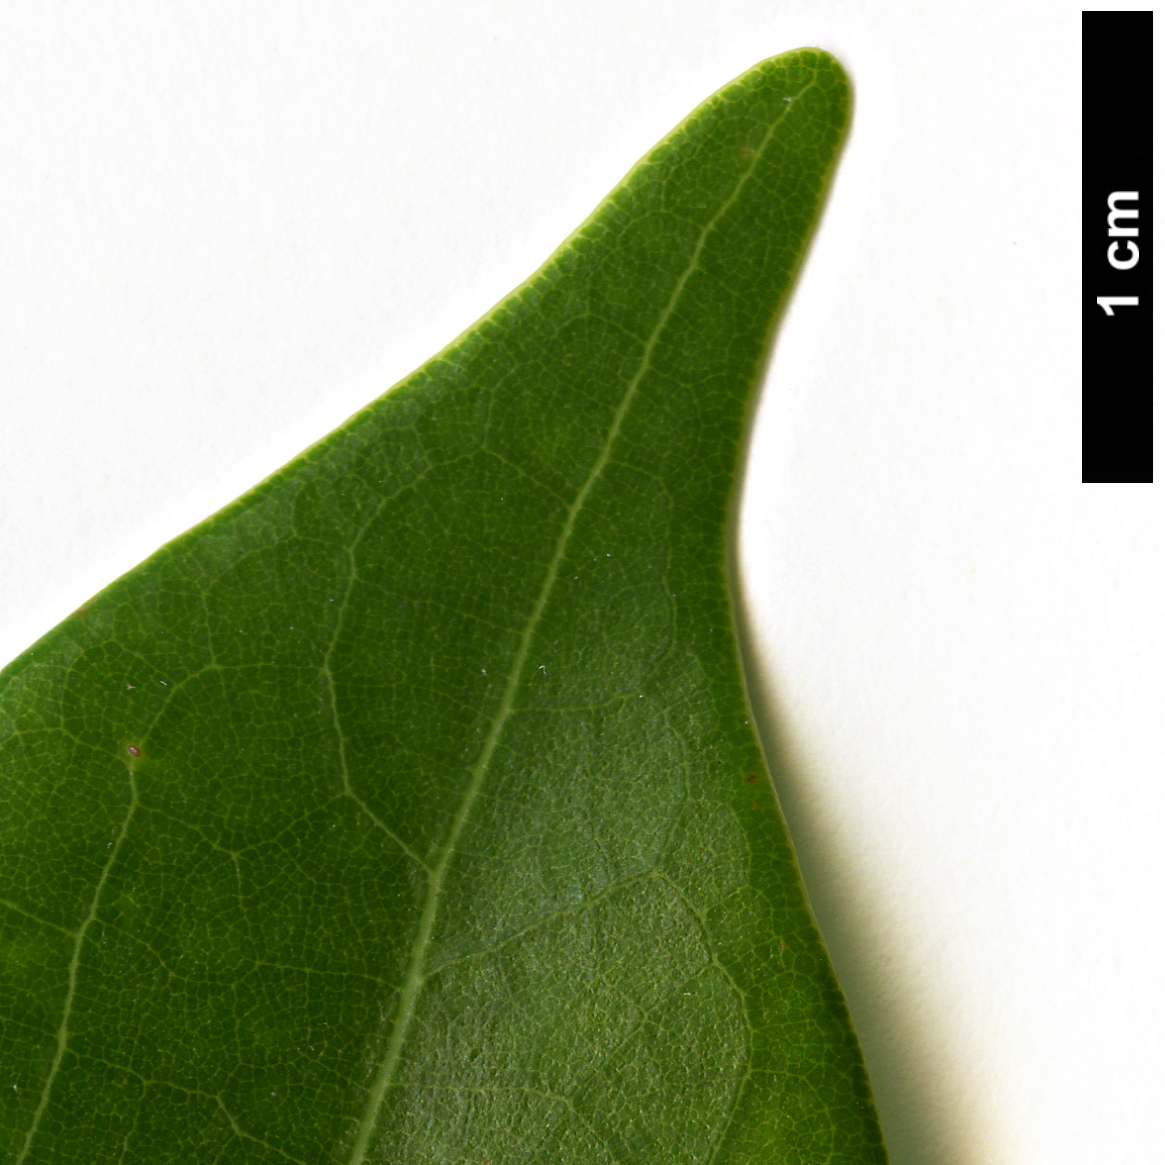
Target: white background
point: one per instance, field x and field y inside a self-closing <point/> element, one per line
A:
<point x="225" y="227"/>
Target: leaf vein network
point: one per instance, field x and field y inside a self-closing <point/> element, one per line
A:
<point x="414" y="975"/>
<point x="545" y="920"/>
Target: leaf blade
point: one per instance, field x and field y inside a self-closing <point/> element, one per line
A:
<point x="441" y="726"/>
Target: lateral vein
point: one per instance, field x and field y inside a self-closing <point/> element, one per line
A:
<point x="70" y="995"/>
<point x="341" y="739"/>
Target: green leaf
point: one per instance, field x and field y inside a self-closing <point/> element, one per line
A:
<point x="409" y="809"/>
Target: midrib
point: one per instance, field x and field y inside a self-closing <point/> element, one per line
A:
<point x="414" y="976"/>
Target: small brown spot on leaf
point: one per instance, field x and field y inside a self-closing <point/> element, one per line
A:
<point x="745" y="151"/>
<point x="753" y="805"/>
<point x="133" y="751"/>
<point x="751" y="778"/>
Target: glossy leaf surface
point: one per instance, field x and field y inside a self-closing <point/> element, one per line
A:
<point x="409" y="809"/>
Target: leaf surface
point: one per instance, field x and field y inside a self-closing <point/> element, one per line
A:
<point x="409" y="809"/>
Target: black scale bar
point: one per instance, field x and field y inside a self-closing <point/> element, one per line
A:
<point x="1117" y="397"/>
